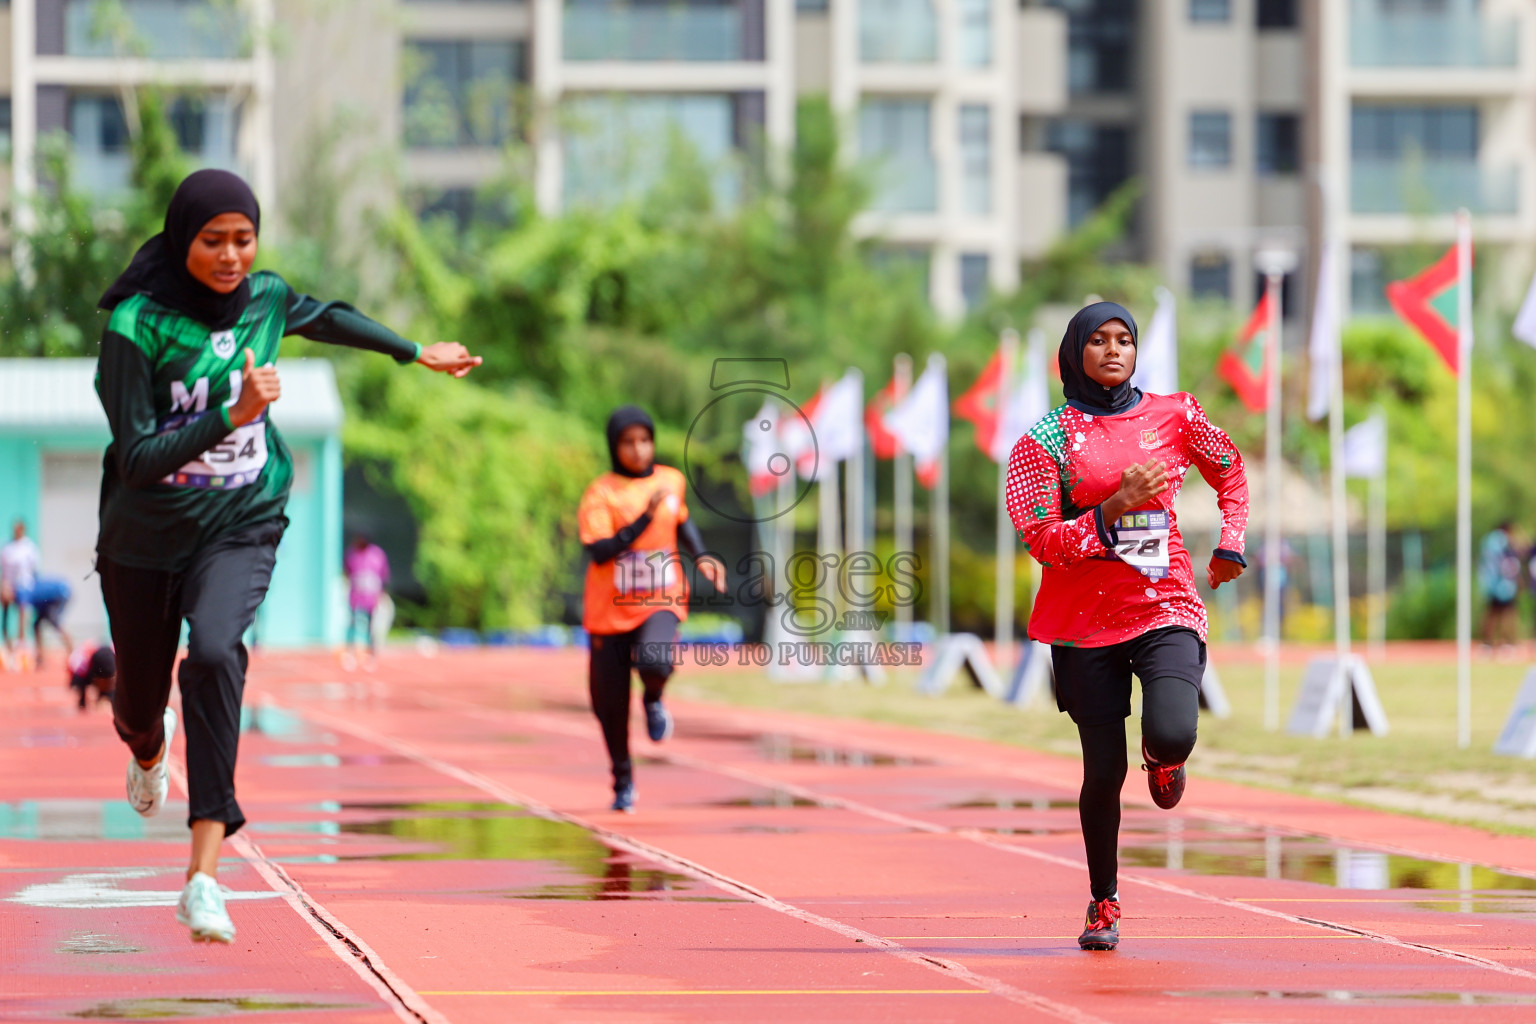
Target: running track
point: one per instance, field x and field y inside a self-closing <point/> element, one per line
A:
<point x="431" y="843"/>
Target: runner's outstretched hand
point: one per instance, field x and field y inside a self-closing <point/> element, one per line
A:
<point x="1139" y="484"/>
<point x="713" y="570"/>
<point x="1222" y="570"/>
<point x="259" y="388"/>
<point x="448" y="357"/>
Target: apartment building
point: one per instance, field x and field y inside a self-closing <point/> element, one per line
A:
<point x="989" y="125"/>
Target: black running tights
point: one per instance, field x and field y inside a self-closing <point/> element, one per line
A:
<point x="648" y="649"/>
<point x="1170" y="710"/>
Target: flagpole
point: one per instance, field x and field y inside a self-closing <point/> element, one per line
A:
<point x="901" y="468"/>
<point x="1003" y="621"/>
<point x="1273" y="278"/>
<point x="854" y="530"/>
<point x="1340" y="522"/>
<point x="1463" y="479"/>
<point x="940" y="528"/>
<point x="1376" y="550"/>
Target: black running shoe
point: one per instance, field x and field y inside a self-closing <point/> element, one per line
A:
<point x="624" y="797"/>
<point x="658" y="721"/>
<point x="1102" y="929"/>
<point x="1165" y="781"/>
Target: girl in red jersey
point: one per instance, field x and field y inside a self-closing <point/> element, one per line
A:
<point x="1091" y="490"/>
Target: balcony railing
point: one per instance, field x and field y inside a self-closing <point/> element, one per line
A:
<point x="674" y="31"/>
<point x="906" y="184"/>
<point x="898" y="32"/>
<point x="1433" y="187"/>
<point x="1428" y="40"/>
<point x="160" y="29"/>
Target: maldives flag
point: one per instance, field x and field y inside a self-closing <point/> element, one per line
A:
<point x="979" y="404"/>
<point x="881" y="440"/>
<point x="1429" y="303"/>
<point x="1244" y="365"/>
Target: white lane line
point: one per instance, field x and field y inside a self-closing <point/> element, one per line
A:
<point x="742" y="890"/>
<point x="971" y="835"/>
<point x="403" y="1000"/>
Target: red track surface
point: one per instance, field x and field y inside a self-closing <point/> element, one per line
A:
<point x="432" y="842"/>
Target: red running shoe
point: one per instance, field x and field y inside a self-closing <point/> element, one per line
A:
<point x="1101" y="930"/>
<point x="1165" y="781"/>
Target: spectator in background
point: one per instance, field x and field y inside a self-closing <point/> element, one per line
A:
<point x="48" y="597"/>
<point x="18" y="571"/>
<point x="1498" y="576"/>
<point x="92" y="666"/>
<point x="367" y="575"/>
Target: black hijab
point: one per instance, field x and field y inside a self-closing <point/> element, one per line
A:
<point x="159" y="268"/>
<point x="627" y="416"/>
<point x="1083" y="392"/>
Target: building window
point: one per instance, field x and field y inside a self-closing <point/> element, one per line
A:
<point x="898" y="32"/>
<point x="906" y="265"/>
<point x="1392" y="132"/>
<point x="619" y="145"/>
<point x="1278" y="138"/>
<point x="976" y="33"/>
<point x="1101" y="36"/>
<point x="1210" y="276"/>
<point x="1210" y="138"/>
<point x="1210" y="10"/>
<point x="691" y="30"/>
<point x="1288" y="308"/>
<point x="811" y="6"/>
<point x="459" y="92"/>
<point x="205" y="127"/>
<point x="976" y="158"/>
<point x="5" y="126"/>
<point x="975" y="269"/>
<point x="1098" y="162"/>
<point x="895" y="134"/>
<point x="1278" y="14"/>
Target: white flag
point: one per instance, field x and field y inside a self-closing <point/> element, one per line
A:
<point x="837" y="420"/>
<point x="1365" y="448"/>
<point x="1157" y="356"/>
<point x="1323" y="347"/>
<point x="1525" y="321"/>
<point x="762" y="452"/>
<point x="1028" y="401"/>
<point x="920" y="421"/>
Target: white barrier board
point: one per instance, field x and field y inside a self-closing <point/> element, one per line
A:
<point x="1519" y="736"/>
<point x="1324" y="690"/>
<point x="956" y="653"/>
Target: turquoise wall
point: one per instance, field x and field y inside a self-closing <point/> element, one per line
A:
<point x="306" y="604"/>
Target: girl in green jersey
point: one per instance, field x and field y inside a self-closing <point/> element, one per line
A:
<point x="193" y="488"/>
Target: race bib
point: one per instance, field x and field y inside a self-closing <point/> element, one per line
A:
<point x="1143" y="542"/>
<point x="641" y="573"/>
<point x="233" y="462"/>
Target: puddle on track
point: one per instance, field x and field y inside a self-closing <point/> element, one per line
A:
<point x="766" y="798"/>
<point x="1343" y="997"/>
<point x="1321" y="862"/>
<point x="211" y="1006"/>
<point x="490" y="831"/>
<point x="987" y="801"/>
<point x="93" y="943"/>
<point x="73" y="821"/>
<point x="780" y="749"/>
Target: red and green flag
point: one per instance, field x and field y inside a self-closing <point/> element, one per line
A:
<point x="1245" y="365"/>
<point x="1428" y="303"/>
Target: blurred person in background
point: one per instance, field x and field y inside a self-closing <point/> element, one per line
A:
<point x="92" y="667"/>
<point x="367" y="568"/>
<point x="194" y="484"/>
<point x="48" y="598"/>
<point x="1498" y="577"/>
<point x="632" y="521"/>
<point x="18" y="570"/>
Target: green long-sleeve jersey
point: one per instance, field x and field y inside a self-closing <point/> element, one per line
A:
<point x="176" y="475"/>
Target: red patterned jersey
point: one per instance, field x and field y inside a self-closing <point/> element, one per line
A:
<point x="1106" y="582"/>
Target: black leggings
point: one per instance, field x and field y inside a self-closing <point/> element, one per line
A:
<point x="647" y="648"/>
<point x="218" y="595"/>
<point x="1094" y="686"/>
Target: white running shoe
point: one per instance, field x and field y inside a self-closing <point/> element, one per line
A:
<point x="201" y="908"/>
<point x="147" y="787"/>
